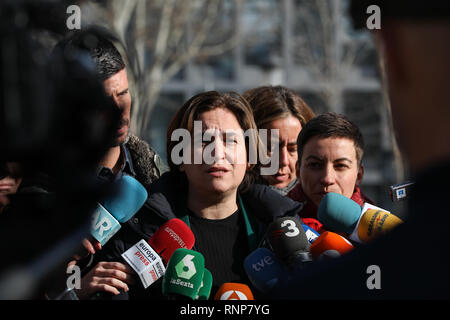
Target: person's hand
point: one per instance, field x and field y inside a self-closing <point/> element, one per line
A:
<point x="90" y="246"/>
<point x="111" y="277"/>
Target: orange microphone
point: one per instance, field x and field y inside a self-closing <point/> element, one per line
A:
<point x="329" y="245"/>
<point x="234" y="291"/>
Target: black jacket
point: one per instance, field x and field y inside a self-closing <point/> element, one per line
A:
<point x="167" y="200"/>
<point x="410" y="262"/>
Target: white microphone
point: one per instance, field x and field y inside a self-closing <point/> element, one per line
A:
<point x="145" y="262"/>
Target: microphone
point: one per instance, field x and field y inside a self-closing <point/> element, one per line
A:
<point x="289" y="241"/>
<point x="117" y="208"/>
<point x="205" y="289"/>
<point x="234" y="291"/>
<point x="329" y="245"/>
<point x="342" y="214"/>
<point x="263" y="269"/>
<point x="148" y="259"/>
<point x="311" y="234"/>
<point x="172" y="235"/>
<point x="145" y="262"/>
<point x="184" y="275"/>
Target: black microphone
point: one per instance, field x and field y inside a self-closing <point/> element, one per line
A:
<point x="288" y="241"/>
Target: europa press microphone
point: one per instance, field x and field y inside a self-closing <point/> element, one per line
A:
<point x="148" y="259"/>
<point x="289" y="241"/>
<point x="234" y="291"/>
<point x="329" y="245"/>
<point x="184" y="275"/>
<point x="117" y="208"/>
<point x="342" y="214"/>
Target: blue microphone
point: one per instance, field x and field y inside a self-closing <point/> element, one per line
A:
<point x="263" y="269"/>
<point x="363" y="225"/>
<point x="117" y="208"/>
<point x="338" y="212"/>
<point x="311" y="234"/>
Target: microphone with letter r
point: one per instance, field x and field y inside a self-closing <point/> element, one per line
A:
<point x="117" y="208"/>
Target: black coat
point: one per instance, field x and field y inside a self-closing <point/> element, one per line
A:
<point x="410" y="262"/>
<point x="167" y="200"/>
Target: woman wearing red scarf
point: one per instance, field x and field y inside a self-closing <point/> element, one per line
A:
<point x="330" y="149"/>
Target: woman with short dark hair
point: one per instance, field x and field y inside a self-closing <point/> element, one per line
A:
<point x="330" y="150"/>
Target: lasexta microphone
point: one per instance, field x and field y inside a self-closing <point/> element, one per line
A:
<point x="205" y="289"/>
<point x="184" y="275"/>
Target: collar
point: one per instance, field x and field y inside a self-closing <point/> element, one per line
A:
<point x="128" y="163"/>
<point x="250" y="224"/>
<point x="284" y="191"/>
<point x="127" y="166"/>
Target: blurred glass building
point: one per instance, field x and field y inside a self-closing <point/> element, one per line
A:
<point x="308" y="46"/>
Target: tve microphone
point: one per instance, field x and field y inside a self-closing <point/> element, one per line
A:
<point x="234" y="291"/>
<point x="342" y="214"/>
<point x="145" y="262"/>
<point x="329" y="245"/>
<point x="288" y="241"/>
<point x="184" y="275"/>
<point x="117" y="208"/>
<point x="172" y="235"/>
<point x="205" y="289"/>
<point x="263" y="269"/>
<point x="311" y="234"/>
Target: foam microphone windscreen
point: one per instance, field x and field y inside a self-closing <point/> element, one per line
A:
<point x="184" y="274"/>
<point x="263" y="269"/>
<point x="287" y="237"/>
<point x="234" y="291"/>
<point x="172" y="235"/>
<point x="129" y="197"/>
<point x="375" y="223"/>
<point x="338" y="213"/>
<point x="205" y="289"/>
<point x="330" y="245"/>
